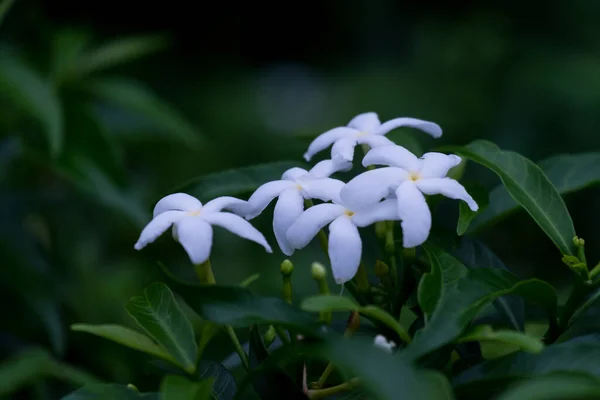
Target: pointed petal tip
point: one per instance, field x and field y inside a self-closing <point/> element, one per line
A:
<point x="138" y="246"/>
<point x="307" y="156"/>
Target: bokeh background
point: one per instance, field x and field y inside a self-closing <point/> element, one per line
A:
<point x="107" y="106"/>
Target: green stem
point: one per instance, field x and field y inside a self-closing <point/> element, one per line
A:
<point x="595" y="271"/>
<point x="390" y="247"/>
<point x="362" y="279"/>
<point x="205" y="274"/>
<point x="283" y="335"/>
<point x="325" y="375"/>
<point x="324" y="393"/>
<point x="577" y="296"/>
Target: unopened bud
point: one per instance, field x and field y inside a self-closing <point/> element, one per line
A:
<point x="579" y="242"/>
<point x="286" y="268"/>
<point x="381" y="268"/>
<point x="318" y="271"/>
<point x="132" y="387"/>
<point x="353" y="323"/>
<point x="269" y="336"/>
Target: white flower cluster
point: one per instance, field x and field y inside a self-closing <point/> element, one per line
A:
<point x="394" y="192"/>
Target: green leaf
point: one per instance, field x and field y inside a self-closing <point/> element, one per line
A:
<point x="5" y="6"/>
<point x="324" y="303"/>
<point x="157" y="312"/>
<point x="239" y="307"/>
<point x="125" y="336"/>
<point x="175" y="387"/>
<point x="528" y="186"/>
<point x="140" y="100"/>
<point x="109" y="391"/>
<point x="381" y="373"/>
<point x="486" y="333"/>
<point x="235" y="182"/>
<point x="465" y="214"/>
<point x="224" y="386"/>
<point x="555" y="386"/>
<point x="387" y="319"/>
<point x="35" y="96"/>
<point x="464" y="298"/>
<point x="585" y="319"/>
<point x="567" y="172"/>
<point x="117" y="52"/>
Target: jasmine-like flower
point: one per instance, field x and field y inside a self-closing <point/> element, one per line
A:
<point x="192" y="222"/>
<point x="295" y="186"/>
<point x="345" y="245"/>
<point x="387" y="345"/>
<point x="364" y="129"/>
<point x="408" y="177"/>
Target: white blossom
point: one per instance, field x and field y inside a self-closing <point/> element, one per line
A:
<point x="364" y="129"/>
<point x="192" y="223"/>
<point x="381" y="342"/>
<point x="409" y="178"/>
<point x="295" y="186"/>
<point x="345" y="245"/>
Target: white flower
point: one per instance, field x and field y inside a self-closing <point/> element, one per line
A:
<point x="387" y="345"/>
<point x="296" y="184"/>
<point x="345" y="245"/>
<point x="192" y="223"/>
<point x="409" y="178"/>
<point x="364" y="129"/>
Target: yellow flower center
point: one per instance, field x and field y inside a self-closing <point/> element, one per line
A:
<point x="362" y="133"/>
<point x="299" y="187"/>
<point x="349" y="213"/>
<point x="194" y="213"/>
<point x="414" y="176"/>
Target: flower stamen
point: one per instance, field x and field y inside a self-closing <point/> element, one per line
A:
<point x="349" y="213"/>
<point x="414" y="176"/>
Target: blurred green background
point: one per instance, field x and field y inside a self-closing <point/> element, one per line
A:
<point x="105" y="107"/>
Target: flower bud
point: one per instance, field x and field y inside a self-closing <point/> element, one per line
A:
<point x="269" y="336"/>
<point x="132" y="387"/>
<point x="381" y="268"/>
<point x="353" y="323"/>
<point x="318" y="271"/>
<point x="286" y="268"/>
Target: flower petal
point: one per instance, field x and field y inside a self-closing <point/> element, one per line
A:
<point x="428" y="127"/>
<point x="342" y="151"/>
<point x="414" y="213"/>
<point x="375" y="140"/>
<point x="325" y="168"/>
<point x="261" y="198"/>
<point x="231" y="203"/>
<point x="370" y="187"/>
<point x="310" y="222"/>
<point x="326" y="189"/>
<point x="366" y="122"/>
<point x="293" y="173"/>
<point x="157" y="227"/>
<point x="326" y="139"/>
<point x="345" y="249"/>
<point x="195" y="235"/>
<point x="387" y="210"/>
<point x="437" y="165"/>
<point x="394" y="156"/>
<point x="447" y="187"/>
<point x="288" y="208"/>
<point x="177" y="202"/>
<point x="237" y="225"/>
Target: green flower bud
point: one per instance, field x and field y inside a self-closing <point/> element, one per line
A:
<point x="318" y="271"/>
<point x="286" y="268"/>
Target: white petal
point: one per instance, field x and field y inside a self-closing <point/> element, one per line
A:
<point x="325" y="168"/>
<point x="375" y="140"/>
<point x="447" y="187"/>
<point x="387" y="210"/>
<point x="342" y="151"/>
<point x="195" y="235"/>
<point x="414" y="213"/>
<point x="437" y="165"/>
<point x="158" y="226"/>
<point x="225" y="202"/>
<point x="310" y="222"/>
<point x="394" y="156"/>
<point x="428" y="127"/>
<point x="370" y="187"/>
<point x="237" y="225"/>
<point x="345" y="249"/>
<point x="288" y="208"/>
<point x="293" y="173"/>
<point x="261" y="198"/>
<point x="326" y="139"/>
<point x="366" y="122"/>
<point x="326" y="189"/>
<point x="177" y="202"/>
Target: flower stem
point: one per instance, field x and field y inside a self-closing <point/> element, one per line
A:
<point x="205" y="274"/>
<point x="324" y="393"/>
<point x="390" y="247"/>
<point x="362" y="279"/>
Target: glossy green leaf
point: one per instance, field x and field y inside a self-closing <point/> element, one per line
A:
<point x="224" y="386"/>
<point x="5" y="6"/>
<point x="568" y="173"/>
<point x="528" y="186"/>
<point x="464" y="298"/>
<point x="486" y="333"/>
<point x="323" y="303"/>
<point x="35" y="96"/>
<point x="117" y="52"/>
<point x="125" y="336"/>
<point x="175" y="387"/>
<point x="555" y="386"/>
<point x="465" y="214"/>
<point x="159" y="315"/>
<point x="140" y="100"/>
<point x="240" y="307"/>
<point x="585" y="320"/>
<point x="236" y="182"/>
<point x="111" y="391"/>
<point x="430" y="287"/>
